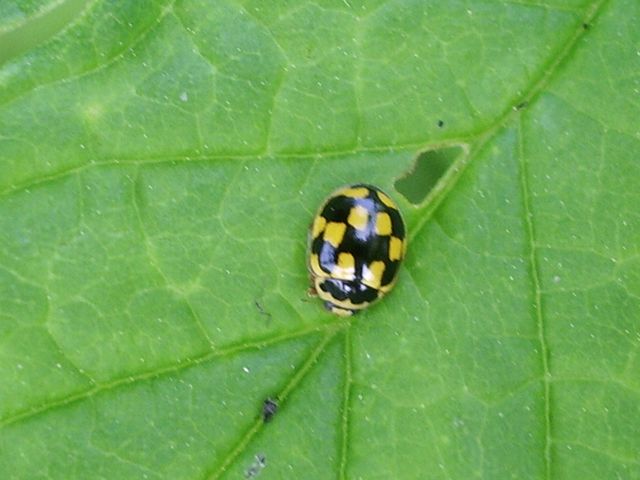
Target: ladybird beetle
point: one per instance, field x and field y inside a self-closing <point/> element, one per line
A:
<point x="356" y="244"/>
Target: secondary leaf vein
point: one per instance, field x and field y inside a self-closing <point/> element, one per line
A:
<point x="537" y="299"/>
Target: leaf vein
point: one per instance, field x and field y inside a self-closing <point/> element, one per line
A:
<point x="98" y="66"/>
<point x="537" y="297"/>
<point x="297" y="376"/>
<point x="346" y="405"/>
<point x="168" y="369"/>
<point x="154" y="261"/>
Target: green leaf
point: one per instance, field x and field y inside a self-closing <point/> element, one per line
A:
<point x="161" y="161"/>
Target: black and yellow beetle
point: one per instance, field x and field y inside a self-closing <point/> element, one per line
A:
<point x="356" y="244"/>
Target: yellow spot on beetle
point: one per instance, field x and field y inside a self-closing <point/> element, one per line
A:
<point x="372" y="275"/>
<point x="395" y="249"/>
<point x="314" y="265"/>
<point x="358" y="192"/>
<point x="386" y="200"/>
<point x="346" y="267"/>
<point x="334" y="233"/>
<point x="383" y="224"/>
<point x="358" y="217"/>
<point x="342" y="312"/>
<point x="318" y="225"/>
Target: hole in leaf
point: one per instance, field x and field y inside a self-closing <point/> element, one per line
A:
<point x="428" y="169"/>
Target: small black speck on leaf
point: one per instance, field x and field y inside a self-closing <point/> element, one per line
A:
<point x="261" y="309"/>
<point x="440" y="123"/>
<point x="269" y="409"/>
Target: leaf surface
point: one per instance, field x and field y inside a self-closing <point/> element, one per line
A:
<point x="160" y="163"/>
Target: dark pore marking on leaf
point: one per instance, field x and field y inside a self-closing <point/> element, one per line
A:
<point x="428" y="168"/>
<point x="261" y="309"/>
<point x="440" y="123"/>
<point x="269" y="409"/>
